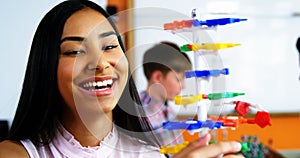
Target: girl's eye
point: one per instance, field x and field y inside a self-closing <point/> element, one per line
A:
<point x="75" y="52"/>
<point x="110" y="47"/>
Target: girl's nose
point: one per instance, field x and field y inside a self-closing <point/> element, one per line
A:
<point x="98" y="65"/>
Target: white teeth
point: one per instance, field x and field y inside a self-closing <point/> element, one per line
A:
<point x="98" y="83"/>
<point x="109" y="81"/>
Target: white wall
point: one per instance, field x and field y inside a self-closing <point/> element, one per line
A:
<point x="265" y="67"/>
<point x="19" y="20"/>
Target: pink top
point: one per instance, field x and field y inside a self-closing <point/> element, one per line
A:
<point x="115" y="145"/>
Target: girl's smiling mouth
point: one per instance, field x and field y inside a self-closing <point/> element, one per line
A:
<point x="98" y="86"/>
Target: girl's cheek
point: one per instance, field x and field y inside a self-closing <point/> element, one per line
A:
<point x="66" y="70"/>
<point x="122" y="63"/>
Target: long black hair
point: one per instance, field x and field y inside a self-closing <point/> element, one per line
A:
<point x="37" y="114"/>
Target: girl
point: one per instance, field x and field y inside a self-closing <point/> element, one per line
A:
<point x="78" y="99"/>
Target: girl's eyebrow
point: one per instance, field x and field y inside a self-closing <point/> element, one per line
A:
<point x="80" y="39"/>
<point x="72" y="38"/>
<point x="105" y="34"/>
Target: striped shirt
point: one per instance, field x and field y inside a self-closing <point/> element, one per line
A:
<point x="157" y="112"/>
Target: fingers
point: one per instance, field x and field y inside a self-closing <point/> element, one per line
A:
<point x="234" y="156"/>
<point x="203" y="141"/>
<point x="219" y="149"/>
<point x="199" y="149"/>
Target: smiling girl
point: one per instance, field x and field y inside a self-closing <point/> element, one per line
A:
<point x="78" y="98"/>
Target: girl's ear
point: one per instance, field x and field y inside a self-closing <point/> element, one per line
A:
<point x="157" y="76"/>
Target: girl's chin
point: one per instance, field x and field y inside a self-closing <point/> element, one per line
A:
<point x="96" y="105"/>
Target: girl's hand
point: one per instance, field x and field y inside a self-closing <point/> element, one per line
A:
<point x="199" y="148"/>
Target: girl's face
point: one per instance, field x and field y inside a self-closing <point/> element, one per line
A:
<point x="92" y="70"/>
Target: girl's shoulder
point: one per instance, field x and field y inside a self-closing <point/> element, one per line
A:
<point x="12" y="149"/>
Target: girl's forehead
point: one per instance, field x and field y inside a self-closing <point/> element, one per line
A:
<point x="84" y="22"/>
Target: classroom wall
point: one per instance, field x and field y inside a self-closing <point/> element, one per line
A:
<point x="19" y="20"/>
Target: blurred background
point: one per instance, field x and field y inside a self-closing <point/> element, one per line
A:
<point x="265" y="66"/>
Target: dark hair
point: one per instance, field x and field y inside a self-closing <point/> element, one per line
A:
<point x="165" y="56"/>
<point x="40" y="104"/>
<point x="298" y="44"/>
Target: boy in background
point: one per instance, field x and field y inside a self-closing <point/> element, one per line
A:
<point x="164" y="67"/>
